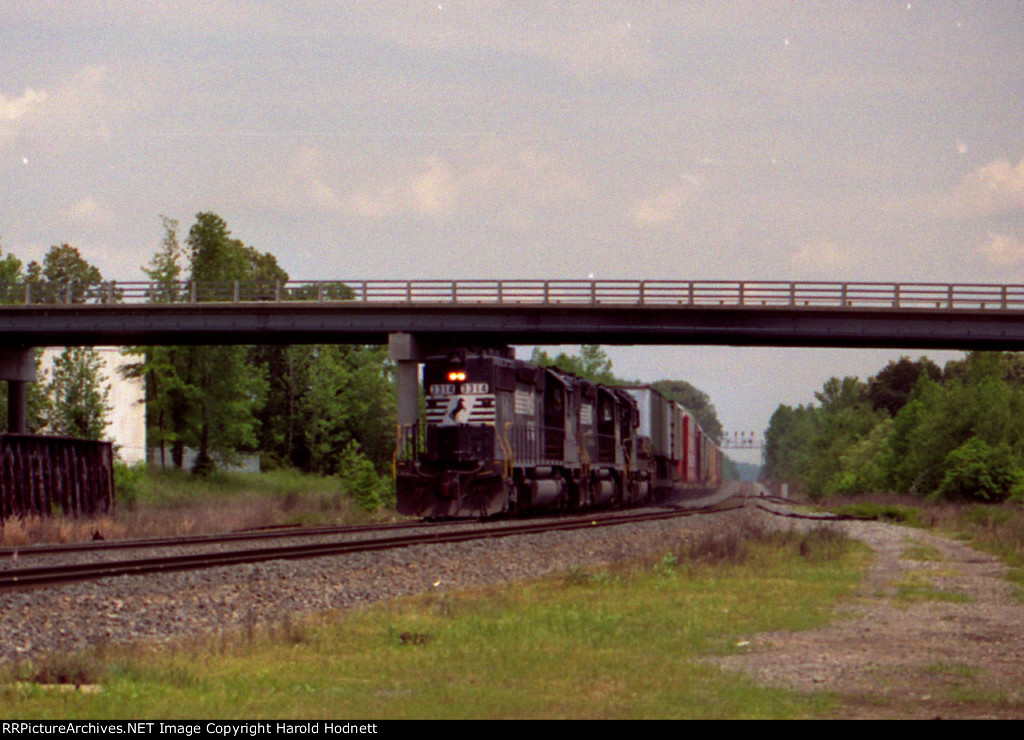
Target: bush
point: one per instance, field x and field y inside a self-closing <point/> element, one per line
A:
<point x="129" y="483"/>
<point x="977" y="471"/>
<point x="361" y="480"/>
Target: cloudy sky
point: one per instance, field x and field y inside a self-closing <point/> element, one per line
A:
<point x="797" y="140"/>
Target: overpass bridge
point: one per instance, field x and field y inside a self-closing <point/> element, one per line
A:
<point x="488" y="312"/>
<point x="417" y="317"/>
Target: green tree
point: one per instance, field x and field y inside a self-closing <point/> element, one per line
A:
<point x="323" y="399"/>
<point x="74" y="402"/>
<point x="696" y="401"/>
<point x="891" y="388"/>
<point x="225" y="385"/>
<point x="79" y="395"/>
<point x="11" y="277"/>
<point x="64" y="277"/>
<point x="592" y="364"/>
<point x="807" y="446"/>
<point x="171" y="403"/>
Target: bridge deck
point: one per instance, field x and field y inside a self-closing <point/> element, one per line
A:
<point x="483" y="312"/>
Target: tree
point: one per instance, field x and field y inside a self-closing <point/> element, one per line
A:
<point x="75" y="400"/>
<point x="225" y="385"/>
<point x="323" y="399"/>
<point x="170" y="399"/>
<point x="696" y="401"/>
<point x="79" y="395"/>
<point x="205" y="397"/>
<point x="890" y="389"/>
<point x="592" y="364"/>
<point x="64" y="277"/>
<point x="10" y="278"/>
<point x="838" y="394"/>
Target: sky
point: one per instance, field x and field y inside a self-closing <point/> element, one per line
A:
<point x="861" y="140"/>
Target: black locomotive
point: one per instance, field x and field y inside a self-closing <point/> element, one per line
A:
<point x="503" y="436"/>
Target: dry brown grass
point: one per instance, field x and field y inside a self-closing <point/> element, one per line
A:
<point x="29" y="530"/>
<point x="186" y="506"/>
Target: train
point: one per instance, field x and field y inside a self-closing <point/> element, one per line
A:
<point x="506" y="436"/>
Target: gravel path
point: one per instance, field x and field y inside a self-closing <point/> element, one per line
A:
<point x="935" y="632"/>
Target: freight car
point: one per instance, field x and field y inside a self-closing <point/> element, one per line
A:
<point x="502" y="436"/>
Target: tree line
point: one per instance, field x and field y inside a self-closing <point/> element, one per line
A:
<point x="953" y="433"/>
<point x="321" y="409"/>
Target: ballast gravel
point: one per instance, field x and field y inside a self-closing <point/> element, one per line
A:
<point x="158" y="608"/>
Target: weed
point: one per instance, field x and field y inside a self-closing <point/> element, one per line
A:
<point x="823" y="543"/>
<point x="667" y="564"/>
<point x="923" y="553"/>
<point x="916" y="587"/>
<point x="717" y="547"/>
<point x="77" y="669"/>
<point x="952" y="669"/>
<point x="290" y="632"/>
<point x="577" y="576"/>
<point x="445" y="605"/>
<point x="893" y="513"/>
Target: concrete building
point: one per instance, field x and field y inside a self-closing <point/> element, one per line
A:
<point x="127" y="399"/>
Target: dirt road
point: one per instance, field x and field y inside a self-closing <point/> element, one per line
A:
<point x="937" y="631"/>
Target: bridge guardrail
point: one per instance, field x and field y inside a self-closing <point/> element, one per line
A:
<point x="696" y="293"/>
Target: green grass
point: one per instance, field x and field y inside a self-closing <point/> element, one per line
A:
<point x="629" y="641"/>
<point x="916" y="587"/>
<point x="923" y="553"/>
<point x="883" y="512"/>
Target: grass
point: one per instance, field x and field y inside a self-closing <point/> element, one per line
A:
<point x="628" y="641"/>
<point x="925" y="553"/>
<point x="915" y="587"/>
<point x="994" y="528"/>
<point x="172" y="502"/>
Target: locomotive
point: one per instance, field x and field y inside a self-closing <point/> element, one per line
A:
<point x="503" y="436"/>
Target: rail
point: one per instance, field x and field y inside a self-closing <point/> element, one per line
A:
<point x="654" y="293"/>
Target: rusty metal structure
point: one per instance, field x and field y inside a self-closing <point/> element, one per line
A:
<point x="42" y="475"/>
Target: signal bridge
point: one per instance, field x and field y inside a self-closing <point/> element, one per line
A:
<point x="742" y="441"/>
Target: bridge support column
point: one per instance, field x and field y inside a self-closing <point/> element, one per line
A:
<point x="18" y="368"/>
<point x="407" y="354"/>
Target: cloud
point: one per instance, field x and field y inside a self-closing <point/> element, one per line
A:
<point x="74" y="106"/>
<point x="667" y="205"/>
<point x="1003" y="251"/>
<point x="997" y="188"/>
<point x="487" y="176"/>
<point x="88" y="212"/>
<point x="822" y="257"/>
<point x="14" y="109"/>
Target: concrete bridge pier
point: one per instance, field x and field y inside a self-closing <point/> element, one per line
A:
<point x="407" y="354"/>
<point x="18" y="368"/>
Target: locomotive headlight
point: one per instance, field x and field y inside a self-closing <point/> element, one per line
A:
<point x="456" y="376"/>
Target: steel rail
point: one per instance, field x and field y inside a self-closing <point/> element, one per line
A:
<point x="20" y="578"/>
<point x="65" y="548"/>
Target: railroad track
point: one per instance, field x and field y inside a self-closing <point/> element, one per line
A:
<point x="50" y="575"/>
<point x="263" y="534"/>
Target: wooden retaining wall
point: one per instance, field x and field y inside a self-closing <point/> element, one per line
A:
<point x="42" y="475"/>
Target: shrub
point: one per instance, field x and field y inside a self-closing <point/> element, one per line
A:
<point x="361" y="480"/>
<point x="129" y="483"/>
<point x="978" y="471"/>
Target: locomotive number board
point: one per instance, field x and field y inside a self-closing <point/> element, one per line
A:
<point x="455" y="389"/>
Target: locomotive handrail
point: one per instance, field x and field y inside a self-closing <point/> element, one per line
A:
<point x="611" y="293"/>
